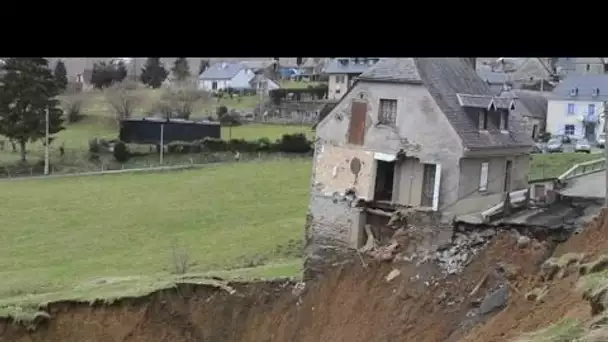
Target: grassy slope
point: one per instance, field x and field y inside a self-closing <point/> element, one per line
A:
<point x="60" y="233"/>
<point x="553" y="165"/>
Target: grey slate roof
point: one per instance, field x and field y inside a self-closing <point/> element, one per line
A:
<point x="585" y="84"/>
<point x="221" y="71"/>
<point x="484" y="101"/>
<point x="335" y="67"/>
<point x="445" y="78"/>
<point x="529" y="102"/>
<point x="493" y="77"/>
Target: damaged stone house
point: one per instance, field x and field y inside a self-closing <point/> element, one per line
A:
<point x="413" y="132"/>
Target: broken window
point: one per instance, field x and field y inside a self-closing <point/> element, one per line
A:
<point x="356" y="129"/>
<point x="387" y="114"/>
<point x="483" y="177"/>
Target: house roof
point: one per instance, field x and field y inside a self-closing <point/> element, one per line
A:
<point x="492" y="77"/>
<point x="585" y="84"/>
<point x="256" y="65"/>
<point x="529" y="102"/>
<point x="445" y="79"/>
<point x="336" y="67"/>
<point x="222" y="71"/>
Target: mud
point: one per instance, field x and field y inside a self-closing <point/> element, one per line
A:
<point x="484" y="302"/>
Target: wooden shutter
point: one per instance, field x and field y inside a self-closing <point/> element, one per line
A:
<point x="356" y="129"/>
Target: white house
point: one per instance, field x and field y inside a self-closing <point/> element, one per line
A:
<point x="576" y="105"/>
<point x="342" y="72"/>
<point x="225" y="75"/>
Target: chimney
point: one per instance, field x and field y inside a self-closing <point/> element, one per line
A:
<point x="472" y="61"/>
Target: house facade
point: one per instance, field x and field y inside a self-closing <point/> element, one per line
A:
<point x="421" y="132"/>
<point x="224" y="75"/>
<point x="576" y="105"/>
<point x="342" y="72"/>
<point x="531" y="107"/>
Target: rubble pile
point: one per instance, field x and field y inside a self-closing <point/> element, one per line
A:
<point x="455" y="257"/>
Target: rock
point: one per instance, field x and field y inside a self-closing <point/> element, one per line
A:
<point x="523" y="241"/>
<point x="494" y="301"/>
<point x="393" y="274"/>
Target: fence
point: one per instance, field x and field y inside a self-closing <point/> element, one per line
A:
<point x="75" y="161"/>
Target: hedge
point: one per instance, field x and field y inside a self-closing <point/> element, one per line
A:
<point x="289" y="143"/>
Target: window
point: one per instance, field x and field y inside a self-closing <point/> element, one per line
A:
<point x="570" y="108"/>
<point x="569" y="130"/>
<point x="214" y="85"/>
<point x="388" y="112"/>
<point x="588" y="67"/>
<point x="591" y="109"/>
<point x="340" y="79"/>
<point x="504" y="121"/>
<point x="483" y="177"/>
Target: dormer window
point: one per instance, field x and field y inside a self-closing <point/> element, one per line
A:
<point x="595" y="92"/>
<point x="574" y="92"/>
<point x="483" y="120"/>
<point x="344" y="62"/>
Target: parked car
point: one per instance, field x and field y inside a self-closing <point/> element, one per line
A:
<point x="601" y="140"/>
<point x="555" y="145"/>
<point x="582" y="145"/>
<point x="565" y="139"/>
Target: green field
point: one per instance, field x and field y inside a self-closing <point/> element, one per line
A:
<point x="60" y="235"/>
<point x="554" y="164"/>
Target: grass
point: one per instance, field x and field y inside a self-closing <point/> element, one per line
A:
<point x="554" y="164"/>
<point x="61" y="234"/>
<point x="565" y="331"/>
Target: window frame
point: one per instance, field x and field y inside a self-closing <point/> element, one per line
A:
<point x="571" y="109"/>
<point x="387" y="106"/>
<point x="566" y="129"/>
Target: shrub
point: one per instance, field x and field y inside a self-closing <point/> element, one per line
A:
<point x="73" y="111"/>
<point x="94" y="149"/>
<point x="294" y="143"/>
<point x="121" y="152"/>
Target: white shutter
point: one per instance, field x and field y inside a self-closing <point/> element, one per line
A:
<point x="436" y="187"/>
<point x="483" y="177"/>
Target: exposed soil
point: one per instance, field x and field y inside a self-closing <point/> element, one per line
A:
<point x="353" y="303"/>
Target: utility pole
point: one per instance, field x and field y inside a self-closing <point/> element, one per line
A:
<point x="162" y="142"/>
<point x="46" y="145"/>
<point x="605" y="129"/>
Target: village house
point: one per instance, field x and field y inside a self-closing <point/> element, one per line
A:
<point x="567" y="66"/>
<point x="342" y="72"/>
<point x="224" y="75"/>
<point x="531" y="107"/>
<point x="576" y="105"/>
<point x="421" y="132"/>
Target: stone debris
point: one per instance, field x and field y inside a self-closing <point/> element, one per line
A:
<point x="464" y="247"/>
<point x="392" y="275"/>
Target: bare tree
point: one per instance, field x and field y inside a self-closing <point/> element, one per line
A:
<point x="180" y="102"/>
<point x="122" y="99"/>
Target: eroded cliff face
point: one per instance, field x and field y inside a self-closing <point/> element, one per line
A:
<point x="473" y="289"/>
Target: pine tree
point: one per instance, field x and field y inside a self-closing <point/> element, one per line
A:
<point x="153" y="73"/>
<point x="61" y="75"/>
<point x="28" y="89"/>
<point x="181" y="69"/>
<point x="204" y="65"/>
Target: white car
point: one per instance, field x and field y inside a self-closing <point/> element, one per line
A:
<point x="582" y="145"/>
<point x="601" y="140"/>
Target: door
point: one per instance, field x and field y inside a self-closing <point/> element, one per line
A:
<point x="590" y="131"/>
<point x="508" y="167"/>
<point x="428" y="185"/>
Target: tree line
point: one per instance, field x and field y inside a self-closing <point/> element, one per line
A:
<point x="29" y="89"/>
<point x="153" y="73"/>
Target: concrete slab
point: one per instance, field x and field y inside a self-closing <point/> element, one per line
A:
<point x="592" y="186"/>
